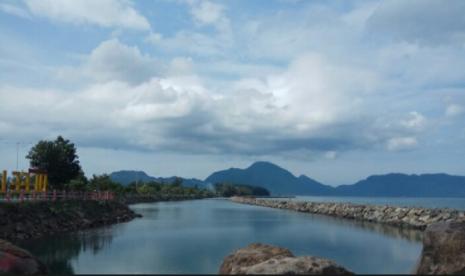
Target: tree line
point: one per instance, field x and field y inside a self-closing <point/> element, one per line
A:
<point x="60" y="160"/>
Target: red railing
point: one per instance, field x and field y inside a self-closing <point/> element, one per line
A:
<point x="56" y="196"/>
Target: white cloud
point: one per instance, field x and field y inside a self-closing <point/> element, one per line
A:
<point x="331" y="155"/>
<point x="415" y="121"/>
<point x="114" y="61"/>
<point x="105" y="13"/>
<point x="401" y="143"/>
<point x="308" y="106"/>
<point x="206" y="12"/>
<point x="454" y="110"/>
<point x="311" y="84"/>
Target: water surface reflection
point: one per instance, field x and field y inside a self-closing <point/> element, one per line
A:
<point x="194" y="237"/>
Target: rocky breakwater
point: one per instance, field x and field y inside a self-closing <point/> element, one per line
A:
<point x="412" y="217"/>
<point x="260" y="258"/>
<point x="17" y="261"/>
<point x="443" y="249"/>
<point x="20" y="221"/>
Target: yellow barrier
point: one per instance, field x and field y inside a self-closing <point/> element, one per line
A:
<point x="22" y="181"/>
<point x="45" y="183"/>
<point x="28" y="182"/>
<point x="17" y="181"/>
<point x="4" y="179"/>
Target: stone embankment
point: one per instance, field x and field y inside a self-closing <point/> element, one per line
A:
<point x="260" y="258"/>
<point x="34" y="219"/>
<point x="411" y="217"/>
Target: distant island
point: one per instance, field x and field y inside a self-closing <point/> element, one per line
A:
<point x="279" y="181"/>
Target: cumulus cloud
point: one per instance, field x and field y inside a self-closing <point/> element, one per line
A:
<point x="311" y="84"/>
<point x="105" y="13"/>
<point x="114" y="61"/>
<point x="401" y="143"/>
<point x="313" y="105"/>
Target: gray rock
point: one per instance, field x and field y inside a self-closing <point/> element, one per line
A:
<point x="253" y="254"/>
<point x="267" y="259"/>
<point x="443" y="249"/>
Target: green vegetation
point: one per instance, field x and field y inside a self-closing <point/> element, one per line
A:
<point x="229" y="189"/>
<point x="153" y="188"/>
<point x="145" y="189"/>
<point x="58" y="158"/>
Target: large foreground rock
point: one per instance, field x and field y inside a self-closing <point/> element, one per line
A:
<point x="16" y="261"/>
<point x="443" y="249"/>
<point x="267" y="259"/>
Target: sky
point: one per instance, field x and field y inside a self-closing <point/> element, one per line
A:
<point x="336" y="90"/>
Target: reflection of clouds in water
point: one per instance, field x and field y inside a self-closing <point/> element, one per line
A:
<point x="195" y="236"/>
<point x="60" y="251"/>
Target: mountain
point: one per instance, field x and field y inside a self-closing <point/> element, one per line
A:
<point x="281" y="182"/>
<point x="403" y="185"/>
<point x="271" y="177"/>
<point x="125" y="177"/>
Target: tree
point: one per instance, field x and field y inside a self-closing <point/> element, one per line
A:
<point x="79" y="183"/>
<point x="58" y="158"/>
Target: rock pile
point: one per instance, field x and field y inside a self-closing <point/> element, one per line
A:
<point x="267" y="259"/>
<point x="35" y="219"/>
<point x="16" y="261"/>
<point x="418" y="218"/>
<point x="443" y="249"/>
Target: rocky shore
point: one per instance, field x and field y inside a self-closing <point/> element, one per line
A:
<point x="443" y="249"/>
<point x="35" y="219"/>
<point x="17" y="261"/>
<point x="409" y="217"/>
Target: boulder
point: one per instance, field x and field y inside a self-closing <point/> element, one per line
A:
<point x="17" y="261"/>
<point x="443" y="249"/>
<point x="253" y="254"/>
<point x="267" y="259"/>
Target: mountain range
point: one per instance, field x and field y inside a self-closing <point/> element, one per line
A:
<point x="282" y="182"/>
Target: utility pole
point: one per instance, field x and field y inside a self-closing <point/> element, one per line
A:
<point x="17" y="155"/>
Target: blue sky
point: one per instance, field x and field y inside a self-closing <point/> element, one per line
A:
<point x="336" y="90"/>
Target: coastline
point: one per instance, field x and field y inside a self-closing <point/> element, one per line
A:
<point x="36" y="219"/>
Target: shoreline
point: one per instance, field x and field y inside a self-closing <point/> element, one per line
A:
<point x="31" y="220"/>
<point x="408" y="217"/>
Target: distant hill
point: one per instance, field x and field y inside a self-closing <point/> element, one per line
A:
<point x="272" y="177"/>
<point x="125" y="177"/>
<point x="403" y="185"/>
<point x="281" y="182"/>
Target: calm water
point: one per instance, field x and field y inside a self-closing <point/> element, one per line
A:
<point x="426" y="202"/>
<point x="195" y="236"/>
